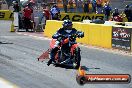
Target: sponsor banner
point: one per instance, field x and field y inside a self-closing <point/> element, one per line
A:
<point x="121" y="38"/>
<point x="80" y="17"/>
<point x="83" y="77"/>
<point x="104" y="78"/>
<point x="6" y="15"/>
<point x="108" y="78"/>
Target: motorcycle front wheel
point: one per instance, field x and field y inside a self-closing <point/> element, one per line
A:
<point x="77" y="58"/>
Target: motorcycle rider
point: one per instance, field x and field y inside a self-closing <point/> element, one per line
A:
<point x="65" y="30"/>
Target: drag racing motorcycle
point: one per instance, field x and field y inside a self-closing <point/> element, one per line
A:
<point x="69" y="51"/>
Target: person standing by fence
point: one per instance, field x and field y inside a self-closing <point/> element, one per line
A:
<point x="128" y="13"/>
<point x="55" y="12"/>
<point x="107" y="11"/>
<point x="46" y="13"/>
<point x="94" y="5"/>
<point x="16" y="14"/>
<point x="99" y="7"/>
<point x="71" y="6"/>
<point x="86" y="6"/>
<point x="27" y="13"/>
<point x="65" y="3"/>
<point x="80" y="6"/>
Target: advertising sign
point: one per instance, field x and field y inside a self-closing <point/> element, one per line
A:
<point x="121" y="38"/>
<point x="80" y="17"/>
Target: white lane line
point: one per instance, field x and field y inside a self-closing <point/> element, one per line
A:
<point x="36" y="36"/>
<point x="25" y="34"/>
<point x="31" y="35"/>
<point x="114" y="51"/>
<point x="6" y="84"/>
<point x="18" y="33"/>
<point x="43" y="38"/>
<point x="46" y="38"/>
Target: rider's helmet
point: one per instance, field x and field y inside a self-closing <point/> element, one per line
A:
<point x="67" y="23"/>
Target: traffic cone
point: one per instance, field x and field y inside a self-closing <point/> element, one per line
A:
<point x="12" y="28"/>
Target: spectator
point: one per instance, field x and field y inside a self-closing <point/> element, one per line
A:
<point x="27" y="13"/>
<point x="116" y="16"/>
<point x="99" y="3"/>
<point x="16" y="6"/>
<point x="16" y="14"/>
<point x="32" y="4"/>
<point x="94" y="4"/>
<point x="99" y="7"/>
<point x="65" y="3"/>
<point x="128" y="13"/>
<point x="21" y="24"/>
<point x="75" y="2"/>
<point x="115" y="13"/>
<point x="107" y="11"/>
<point x="55" y="13"/>
<point x="0" y="5"/>
<point x="86" y="6"/>
<point x="40" y="25"/>
<point x="46" y="13"/>
<point x="80" y="6"/>
<point x="71" y="8"/>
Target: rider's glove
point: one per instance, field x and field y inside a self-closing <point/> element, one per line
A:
<point x="81" y="34"/>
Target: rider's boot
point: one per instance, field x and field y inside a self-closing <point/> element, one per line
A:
<point x="51" y="58"/>
<point x="49" y="62"/>
<point x="52" y="55"/>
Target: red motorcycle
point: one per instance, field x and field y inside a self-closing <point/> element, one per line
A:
<point x="68" y="53"/>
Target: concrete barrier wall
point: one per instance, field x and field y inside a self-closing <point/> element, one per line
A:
<point x="51" y="27"/>
<point x="95" y="34"/>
